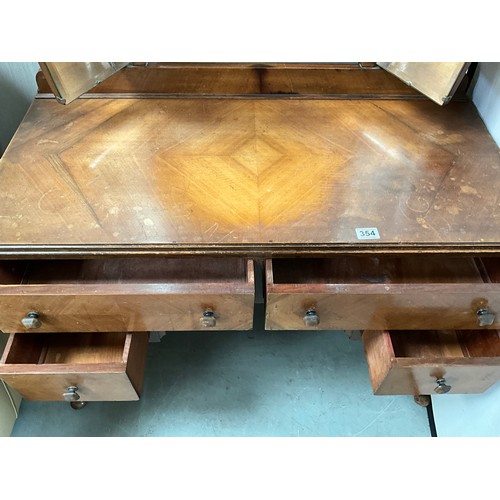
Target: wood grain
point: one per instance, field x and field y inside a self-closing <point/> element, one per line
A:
<point x="379" y="355"/>
<point x="249" y="176"/>
<point x="77" y="349"/>
<point x="129" y="295"/>
<point x="428" y="344"/>
<point x="99" y="365"/>
<point x="465" y="378"/>
<point x="353" y="269"/>
<point x="233" y="80"/>
<point x="129" y="271"/>
<point x="358" y="293"/>
<point x="410" y="362"/>
<point x="107" y="383"/>
<point x="83" y="309"/>
<point x="135" y="355"/>
<point x="318" y="152"/>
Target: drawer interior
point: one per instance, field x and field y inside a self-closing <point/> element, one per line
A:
<point x="67" y="348"/>
<point x="124" y="270"/>
<point x="370" y="269"/>
<point x="491" y="268"/>
<point x="445" y="344"/>
<point x="413" y="362"/>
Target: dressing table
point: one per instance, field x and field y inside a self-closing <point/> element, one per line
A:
<point x="158" y="200"/>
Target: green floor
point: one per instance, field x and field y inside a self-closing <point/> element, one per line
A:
<point x="242" y="384"/>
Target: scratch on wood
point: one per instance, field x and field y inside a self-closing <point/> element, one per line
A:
<point x="46" y="141"/>
<point x="214" y="226"/>
<point x="61" y="168"/>
<point x="401" y="209"/>
<point x="225" y="236"/>
<point x="42" y="198"/>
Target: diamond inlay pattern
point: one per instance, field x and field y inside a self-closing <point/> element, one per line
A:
<point x="215" y="171"/>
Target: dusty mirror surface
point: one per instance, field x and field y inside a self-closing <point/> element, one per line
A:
<point x="69" y="80"/>
<point x="437" y="80"/>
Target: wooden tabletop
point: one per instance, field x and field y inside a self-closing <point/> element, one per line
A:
<point x="255" y="177"/>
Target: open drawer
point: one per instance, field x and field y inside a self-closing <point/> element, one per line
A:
<point x="401" y="292"/>
<point x="135" y="294"/>
<point x="432" y="362"/>
<point x="75" y="366"/>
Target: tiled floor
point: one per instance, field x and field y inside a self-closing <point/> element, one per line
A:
<point x="242" y="384"/>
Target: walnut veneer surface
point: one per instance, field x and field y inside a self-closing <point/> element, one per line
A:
<point x="254" y="177"/>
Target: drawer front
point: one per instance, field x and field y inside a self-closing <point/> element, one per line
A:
<point x="101" y="386"/>
<point x="432" y="362"/>
<point x="94" y="367"/>
<point x="417" y="380"/>
<point x="357" y="293"/>
<point x="137" y="294"/>
<point x="396" y="308"/>
<point x="103" y="312"/>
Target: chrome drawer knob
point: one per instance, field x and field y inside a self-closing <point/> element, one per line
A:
<point x="442" y="387"/>
<point x="208" y="320"/>
<point x="311" y="318"/>
<point x="485" y="317"/>
<point x="71" y="394"/>
<point x="31" y="321"/>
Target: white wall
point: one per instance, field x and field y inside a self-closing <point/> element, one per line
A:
<point x="17" y="90"/>
<point x="486" y="96"/>
<point x="475" y="415"/>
